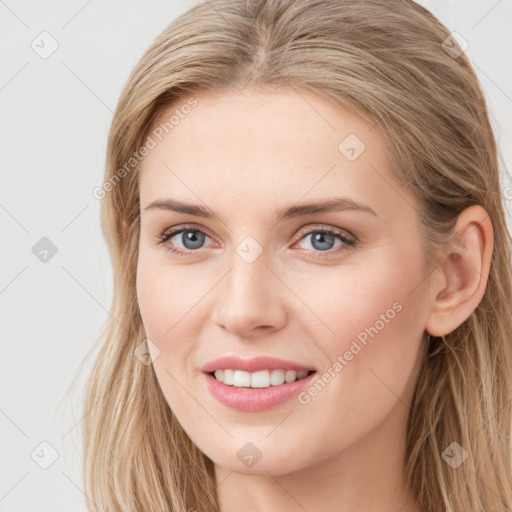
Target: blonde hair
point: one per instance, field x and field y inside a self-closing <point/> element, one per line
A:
<point x="389" y="62"/>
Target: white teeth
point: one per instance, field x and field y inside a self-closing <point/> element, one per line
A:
<point x="242" y="379"/>
<point x="227" y="378"/>
<point x="290" y="376"/>
<point x="259" y="379"/>
<point x="277" y="377"/>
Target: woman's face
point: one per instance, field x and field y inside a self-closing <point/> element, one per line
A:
<point x="253" y="281"/>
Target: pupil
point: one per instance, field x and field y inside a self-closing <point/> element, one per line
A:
<point x="319" y="238"/>
<point x="194" y="237"/>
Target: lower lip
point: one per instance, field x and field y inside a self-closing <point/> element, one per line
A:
<point x="255" y="399"/>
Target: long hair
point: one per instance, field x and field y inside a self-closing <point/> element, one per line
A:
<point x="396" y="65"/>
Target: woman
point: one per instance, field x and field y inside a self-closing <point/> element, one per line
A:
<point x="312" y="280"/>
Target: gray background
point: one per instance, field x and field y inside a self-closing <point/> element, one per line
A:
<point x="56" y="112"/>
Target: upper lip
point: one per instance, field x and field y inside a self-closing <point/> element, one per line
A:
<point x="253" y="364"/>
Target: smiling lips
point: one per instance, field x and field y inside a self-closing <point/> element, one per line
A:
<point x="255" y="384"/>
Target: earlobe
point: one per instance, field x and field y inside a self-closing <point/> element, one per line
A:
<point x="462" y="274"/>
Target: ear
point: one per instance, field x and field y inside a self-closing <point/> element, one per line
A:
<point x="459" y="282"/>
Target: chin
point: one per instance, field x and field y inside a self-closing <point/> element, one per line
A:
<point x="249" y="460"/>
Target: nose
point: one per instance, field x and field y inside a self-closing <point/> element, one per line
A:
<point x="251" y="299"/>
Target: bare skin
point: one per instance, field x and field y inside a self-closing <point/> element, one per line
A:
<point x="305" y="299"/>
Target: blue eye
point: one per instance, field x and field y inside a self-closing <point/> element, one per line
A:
<point x="193" y="238"/>
<point x="322" y="239"/>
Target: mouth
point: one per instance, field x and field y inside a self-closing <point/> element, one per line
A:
<point x="257" y="391"/>
<point x="259" y="379"/>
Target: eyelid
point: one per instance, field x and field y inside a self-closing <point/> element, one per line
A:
<point x="175" y="230"/>
<point x="324" y="227"/>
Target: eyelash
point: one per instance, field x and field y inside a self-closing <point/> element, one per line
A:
<point x="348" y="243"/>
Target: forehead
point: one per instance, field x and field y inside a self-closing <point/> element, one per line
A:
<point x="261" y="146"/>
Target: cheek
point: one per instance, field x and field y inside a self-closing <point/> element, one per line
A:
<point x="373" y="320"/>
<point x="160" y="312"/>
<point x="372" y="360"/>
<point x="166" y="297"/>
<point x="173" y="314"/>
<point x="165" y="307"/>
<point x="381" y="293"/>
<point x="379" y="321"/>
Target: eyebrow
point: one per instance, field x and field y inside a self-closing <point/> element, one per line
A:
<point x="326" y="206"/>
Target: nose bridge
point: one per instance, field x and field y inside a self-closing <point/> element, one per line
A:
<point x="249" y="293"/>
<point x="249" y="275"/>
